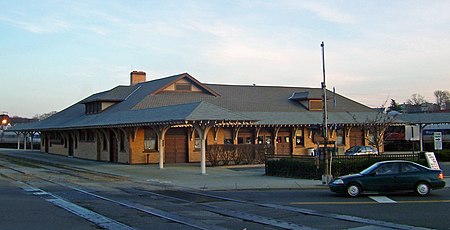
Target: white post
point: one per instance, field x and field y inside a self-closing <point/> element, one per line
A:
<point x="202" y="130"/>
<point x="161" y="133"/>
<point x="18" y="140"/>
<point x="421" y="127"/>
<point x="161" y="153"/>
<point x="203" y="156"/>
<point x="31" y="138"/>
<point x="25" y="141"/>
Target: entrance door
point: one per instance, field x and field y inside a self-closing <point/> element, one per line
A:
<point x="46" y="142"/>
<point x="356" y="136"/>
<point x="176" y="146"/>
<point x="284" y="143"/>
<point x="70" y="145"/>
<point x="113" y="153"/>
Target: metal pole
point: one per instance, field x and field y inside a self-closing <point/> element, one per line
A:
<point x="325" y="121"/>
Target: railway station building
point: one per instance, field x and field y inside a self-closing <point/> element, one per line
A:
<point x="175" y="119"/>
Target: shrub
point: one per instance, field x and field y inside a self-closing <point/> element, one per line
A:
<point x="443" y="155"/>
<point x="313" y="168"/>
<point x="305" y="168"/>
<point x="237" y="154"/>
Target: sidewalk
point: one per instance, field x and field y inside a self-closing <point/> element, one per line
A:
<point x="179" y="175"/>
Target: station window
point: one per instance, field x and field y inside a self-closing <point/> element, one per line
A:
<point x="183" y="87"/>
<point x="150" y="140"/>
<point x="340" y="136"/>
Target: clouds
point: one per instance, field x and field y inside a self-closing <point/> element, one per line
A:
<point x="373" y="49"/>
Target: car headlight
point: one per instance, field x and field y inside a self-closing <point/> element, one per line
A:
<point x="338" y="181"/>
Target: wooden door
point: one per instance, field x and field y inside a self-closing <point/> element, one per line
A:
<point x="356" y="136"/>
<point x="176" y="146"/>
<point x="70" y="145"/>
<point x="113" y="151"/>
<point x="284" y="143"/>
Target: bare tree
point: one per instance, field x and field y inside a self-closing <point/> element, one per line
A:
<point x="376" y="124"/>
<point x="44" y="116"/>
<point x="442" y="98"/>
<point x="416" y="99"/>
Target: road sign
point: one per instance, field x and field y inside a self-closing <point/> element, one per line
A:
<point x="437" y="141"/>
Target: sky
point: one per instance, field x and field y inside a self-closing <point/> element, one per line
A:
<point x="55" y="53"/>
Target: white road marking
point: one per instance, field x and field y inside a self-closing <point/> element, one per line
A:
<point x="91" y="216"/>
<point x="96" y="218"/>
<point x="382" y="199"/>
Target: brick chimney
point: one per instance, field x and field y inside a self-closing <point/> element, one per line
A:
<point x="137" y="77"/>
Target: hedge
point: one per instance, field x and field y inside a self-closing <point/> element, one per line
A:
<point x="314" y="168"/>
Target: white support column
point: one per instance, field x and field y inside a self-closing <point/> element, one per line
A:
<point x="421" y="128"/>
<point x="160" y="131"/>
<point x="31" y="138"/>
<point x="18" y="140"/>
<point x="25" y="141"/>
<point x="202" y="130"/>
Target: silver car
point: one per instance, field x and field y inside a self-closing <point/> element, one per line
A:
<point x="361" y="150"/>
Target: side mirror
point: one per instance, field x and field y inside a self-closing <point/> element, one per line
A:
<point x="373" y="173"/>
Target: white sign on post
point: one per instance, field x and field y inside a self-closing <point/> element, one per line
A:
<point x="412" y="132"/>
<point x="431" y="159"/>
<point x="437" y="141"/>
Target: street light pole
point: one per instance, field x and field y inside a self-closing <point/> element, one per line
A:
<point x="327" y="177"/>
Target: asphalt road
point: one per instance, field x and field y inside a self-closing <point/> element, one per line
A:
<point x="401" y="208"/>
<point x="21" y="210"/>
<point x="35" y="196"/>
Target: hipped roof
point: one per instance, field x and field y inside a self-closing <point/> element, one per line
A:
<point x="147" y="103"/>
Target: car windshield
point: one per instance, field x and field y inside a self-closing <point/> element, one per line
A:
<point x="370" y="169"/>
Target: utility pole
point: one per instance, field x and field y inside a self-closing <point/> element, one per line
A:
<point x="327" y="177"/>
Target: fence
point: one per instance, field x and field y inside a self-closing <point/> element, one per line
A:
<point x="314" y="167"/>
<point x="237" y="154"/>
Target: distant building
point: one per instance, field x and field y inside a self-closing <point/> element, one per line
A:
<point x="426" y="123"/>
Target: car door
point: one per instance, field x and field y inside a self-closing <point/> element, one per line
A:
<point x="408" y="177"/>
<point x="381" y="179"/>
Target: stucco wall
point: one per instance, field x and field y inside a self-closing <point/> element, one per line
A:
<point x="86" y="150"/>
<point x="58" y="149"/>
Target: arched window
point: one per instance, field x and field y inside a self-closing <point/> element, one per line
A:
<point x="150" y="140"/>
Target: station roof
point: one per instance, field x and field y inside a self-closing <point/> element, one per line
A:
<point x="155" y="102"/>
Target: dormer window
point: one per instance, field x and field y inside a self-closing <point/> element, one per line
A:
<point x="93" y="107"/>
<point x="307" y="100"/>
<point x="315" y="105"/>
<point x="97" y="106"/>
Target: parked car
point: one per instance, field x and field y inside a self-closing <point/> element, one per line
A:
<point x="390" y="176"/>
<point x="361" y="150"/>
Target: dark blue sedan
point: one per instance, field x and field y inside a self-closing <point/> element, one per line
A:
<point x="390" y="176"/>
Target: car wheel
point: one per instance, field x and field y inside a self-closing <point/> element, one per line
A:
<point x="353" y="190"/>
<point x="422" y="188"/>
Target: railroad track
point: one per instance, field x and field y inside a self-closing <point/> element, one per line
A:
<point x="113" y="202"/>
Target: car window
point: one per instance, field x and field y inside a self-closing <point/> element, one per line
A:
<point x="386" y="169"/>
<point x="409" y="168"/>
<point x="351" y="149"/>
